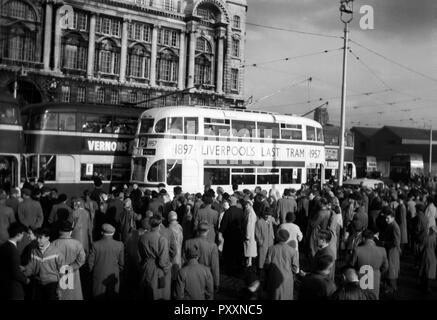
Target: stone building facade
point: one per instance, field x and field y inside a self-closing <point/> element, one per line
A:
<point x="165" y="52"/>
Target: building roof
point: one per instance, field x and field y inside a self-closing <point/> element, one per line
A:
<point x="365" y="131"/>
<point x="411" y="133"/>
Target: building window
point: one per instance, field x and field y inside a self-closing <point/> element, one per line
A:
<point x="144" y="97"/>
<point x="147" y="33"/>
<point x="139" y="62"/>
<point x="203" y="62"/>
<point x="235" y="47"/>
<point x="108" y="26"/>
<point x="20" y="10"/>
<point x="100" y="95"/>
<point x="75" y="55"/>
<point x="132" y="96"/>
<point x="80" y="21"/>
<point x="168" y="5"/>
<point x="19" y="47"/>
<point x="168" y="66"/>
<point x="236" y="22"/>
<point x="202" y="71"/>
<point x="81" y="94"/>
<point x="108" y="58"/>
<point x="115" y="97"/>
<point x="65" y="96"/>
<point x="138" y="31"/>
<point x="234" y="79"/>
<point x="168" y="37"/>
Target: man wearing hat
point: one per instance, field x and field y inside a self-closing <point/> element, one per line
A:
<point x="194" y="281"/>
<point x="14" y="200"/>
<point x="62" y="204"/>
<point x="209" y="215"/>
<point x="286" y="204"/>
<point x="391" y="239"/>
<point x="369" y="254"/>
<point x="155" y="262"/>
<point x="231" y="228"/>
<point x="29" y="211"/>
<point x="106" y="261"/>
<point x="208" y="251"/>
<point x="74" y="255"/>
<point x="281" y="263"/>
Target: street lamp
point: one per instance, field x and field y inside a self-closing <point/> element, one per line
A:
<point x="346" y="15"/>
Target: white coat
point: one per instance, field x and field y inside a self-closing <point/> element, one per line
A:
<point x="250" y="242"/>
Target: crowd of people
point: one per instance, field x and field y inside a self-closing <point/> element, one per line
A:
<point x="134" y="243"/>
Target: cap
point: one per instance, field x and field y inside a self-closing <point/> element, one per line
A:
<point x="108" y="229"/>
<point x="15" y="191"/>
<point x="203" y="226"/>
<point x="26" y="192"/>
<point x="163" y="192"/>
<point x="172" y="216"/>
<point x="192" y="252"/>
<point x="283" y="235"/>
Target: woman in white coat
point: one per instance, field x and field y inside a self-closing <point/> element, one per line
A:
<point x="250" y="250"/>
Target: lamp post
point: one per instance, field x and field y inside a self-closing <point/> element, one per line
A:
<point x="346" y="14"/>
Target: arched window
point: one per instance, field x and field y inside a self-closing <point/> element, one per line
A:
<point x="203" y="62"/>
<point x="236" y="22"/>
<point x="208" y="13"/>
<point x="168" y="64"/>
<point x="20" y="10"/>
<point x="19" y="40"/>
<point x="74" y="53"/>
<point x="108" y="57"/>
<point x="139" y="62"/>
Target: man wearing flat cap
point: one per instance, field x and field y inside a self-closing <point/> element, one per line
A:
<point x="155" y="262"/>
<point x="280" y="265"/>
<point x="209" y="215"/>
<point x="208" y="252"/>
<point x="194" y="281"/>
<point x="30" y="212"/>
<point x="74" y="255"/>
<point x="106" y="261"/>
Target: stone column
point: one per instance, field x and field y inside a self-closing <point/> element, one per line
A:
<point x="91" y="46"/>
<point x="123" y="55"/>
<point x="181" y="73"/>
<point x="48" y="35"/>
<point x="221" y="34"/>
<point x="153" y="65"/>
<point x="192" y="28"/>
<point x="58" y="34"/>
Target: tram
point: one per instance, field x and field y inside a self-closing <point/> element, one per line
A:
<point x="196" y="146"/>
<point x="67" y="145"/>
<point x="11" y="141"/>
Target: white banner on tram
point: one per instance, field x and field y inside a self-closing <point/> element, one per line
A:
<point x="218" y="150"/>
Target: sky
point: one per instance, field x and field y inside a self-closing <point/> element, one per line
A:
<point x="391" y="70"/>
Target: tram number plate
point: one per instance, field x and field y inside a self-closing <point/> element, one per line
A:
<point x="149" y="152"/>
<point x="183" y="149"/>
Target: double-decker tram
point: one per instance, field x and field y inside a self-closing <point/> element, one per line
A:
<point x="11" y="141"/>
<point x="194" y="146"/>
<point x="68" y="145"/>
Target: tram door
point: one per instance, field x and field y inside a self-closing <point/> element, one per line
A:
<point x="8" y="172"/>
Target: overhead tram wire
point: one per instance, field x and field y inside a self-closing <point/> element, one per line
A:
<point x="328" y="99"/>
<point x="359" y="59"/>
<point x="294" y="31"/>
<point x="395" y="62"/>
<point x="286" y="59"/>
<point x="280" y="90"/>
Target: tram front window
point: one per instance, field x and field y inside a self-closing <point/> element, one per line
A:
<point x="174" y="172"/>
<point x="146" y="125"/>
<point x="8" y="172"/>
<point x="139" y="169"/>
<point x="8" y="115"/>
<point x="47" y="167"/>
<point x="157" y="172"/>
